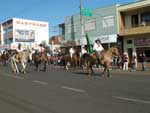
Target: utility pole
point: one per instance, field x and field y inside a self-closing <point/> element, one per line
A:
<point x="82" y="27"/>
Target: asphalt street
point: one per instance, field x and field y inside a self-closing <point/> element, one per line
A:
<point x="61" y="91"/>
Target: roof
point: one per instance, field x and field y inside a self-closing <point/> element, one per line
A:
<point x="134" y="5"/>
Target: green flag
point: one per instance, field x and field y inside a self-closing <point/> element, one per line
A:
<point x="89" y="45"/>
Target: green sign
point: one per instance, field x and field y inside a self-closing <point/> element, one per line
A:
<point x="86" y="12"/>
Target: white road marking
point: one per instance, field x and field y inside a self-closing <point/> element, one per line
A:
<point x="43" y="83"/>
<point x="14" y="76"/>
<point x="73" y="89"/>
<point x="132" y="99"/>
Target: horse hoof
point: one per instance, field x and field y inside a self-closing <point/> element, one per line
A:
<point x="108" y="76"/>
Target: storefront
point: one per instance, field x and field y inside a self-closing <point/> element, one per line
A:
<point x="135" y="45"/>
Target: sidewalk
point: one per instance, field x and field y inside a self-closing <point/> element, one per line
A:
<point x="147" y="72"/>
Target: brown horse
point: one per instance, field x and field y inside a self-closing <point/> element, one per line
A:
<point x="90" y="60"/>
<point x="74" y="61"/>
<point x="22" y="58"/>
<point x="4" y="57"/>
<point x="40" y="58"/>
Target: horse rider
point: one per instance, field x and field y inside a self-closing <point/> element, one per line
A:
<point x="71" y="51"/>
<point x="19" y="51"/>
<point x="84" y="50"/>
<point x="19" y="48"/>
<point x="98" y="48"/>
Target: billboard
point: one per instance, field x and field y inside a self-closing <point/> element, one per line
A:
<point x="30" y="31"/>
<point x="24" y="35"/>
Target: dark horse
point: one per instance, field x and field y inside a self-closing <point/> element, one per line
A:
<point x="89" y="60"/>
<point x="40" y="58"/>
<point x="4" y="57"/>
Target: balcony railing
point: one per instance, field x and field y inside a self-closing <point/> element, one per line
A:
<point x="142" y="28"/>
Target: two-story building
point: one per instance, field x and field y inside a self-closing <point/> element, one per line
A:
<point x="134" y="29"/>
<point x="102" y="24"/>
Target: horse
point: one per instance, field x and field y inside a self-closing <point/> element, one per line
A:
<point x="19" y="58"/>
<point x="74" y="61"/>
<point x="89" y="60"/>
<point x="40" y="58"/>
<point x="4" y="57"/>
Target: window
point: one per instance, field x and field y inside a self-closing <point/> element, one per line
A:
<point x="135" y="21"/>
<point x="145" y="17"/>
<point x="108" y="21"/>
<point x="90" y="25"/>
<point x="72" y="28"/>
<point x="129" y="41"/>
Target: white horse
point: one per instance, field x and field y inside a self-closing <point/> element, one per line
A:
<point x="21" y="58"/>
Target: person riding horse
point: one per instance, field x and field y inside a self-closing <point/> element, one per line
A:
<point x="19" y="51"/>
<point x="71" y="51"/>
<point x="40" y="56"/>
<point x="98" y="48"/>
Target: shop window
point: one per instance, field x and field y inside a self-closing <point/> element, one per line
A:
<point x="129" y="41"/>
<point x="145" y="50"/>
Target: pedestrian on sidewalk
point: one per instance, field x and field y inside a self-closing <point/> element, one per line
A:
<point x="134" y="61"/>
<point x="143" y="61"/>
<point x="125" y="64"/>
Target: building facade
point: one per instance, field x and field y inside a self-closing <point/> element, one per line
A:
<point x="134" y="29"/>
<point x="29" y="33"/>
<point x="102" y="24"/>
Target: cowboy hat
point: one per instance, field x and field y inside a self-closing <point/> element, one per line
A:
<point x="98" y="40"/>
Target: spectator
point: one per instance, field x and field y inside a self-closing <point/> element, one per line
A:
<point x="114" y="63"/>
<point x="125" y="63"/>
<point x="134" y="61"/>
<point x="143" y="61"/>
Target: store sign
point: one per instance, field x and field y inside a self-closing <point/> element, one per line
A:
<point x="30" y="23"/>
<point x="108" y="38"/>
<point x="142" y="41"/>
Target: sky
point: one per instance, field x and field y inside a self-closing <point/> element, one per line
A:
<point x="51" y="11"/>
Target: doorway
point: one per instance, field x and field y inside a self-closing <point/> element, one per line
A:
<point x="130" y="51"/>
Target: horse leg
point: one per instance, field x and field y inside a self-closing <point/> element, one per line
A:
<point x="89" y="68"/>
<point x="92" y="71"/>
<point x="44" y="69"/>
<point x="108" y="73"/>
<point x="105" y="68"/>
<point x="13" y="65"/>
<point x="23" y="67"/>
<point x="36" y="66"/>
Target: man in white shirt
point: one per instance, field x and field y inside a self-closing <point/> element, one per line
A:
<point x="19" y="49"/>
<point x="71" y="51"/>
<point x="19" y="52"/>
<point x="97" y="47"/>
<point x="84" y="50"/>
